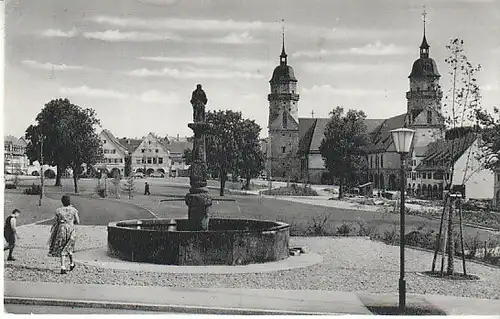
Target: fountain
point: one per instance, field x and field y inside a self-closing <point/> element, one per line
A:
<point x="199" y="240"/>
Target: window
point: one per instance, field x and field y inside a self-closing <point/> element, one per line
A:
<point x="156" y="150"/>
<point x="103" y="141"/>
<point x="154" y="160"/>
<point x="498" y="177"/>
<point x="438" y="175"/>
<point x="113" y="151"/>
<point x="106" y="151"/>
<point x="413" y="176"/>
<point x="149" y="142"/>
<point x="285" y="120"/>
<point x="160" y="160"/>
<point x="142" y="151"/>
<point x="371" y="162"/>
<point x="424" y="176"/>
<point x="429" y="117"/>
<point x="283" y="149"/>
<point x="139" y="161"/>
<point x="121" y="160"/>
<point x="116" y="161"/>
<point x="149" y="160"/>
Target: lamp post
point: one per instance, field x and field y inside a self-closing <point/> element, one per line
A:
<point x="402" y="139"/>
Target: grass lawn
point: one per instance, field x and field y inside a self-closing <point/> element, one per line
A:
<point x="28" y="205"/>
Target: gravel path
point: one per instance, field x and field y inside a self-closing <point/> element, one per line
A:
<point x="349" y="264"/>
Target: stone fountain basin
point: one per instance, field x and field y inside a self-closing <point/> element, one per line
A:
<point x="227" y="242"/>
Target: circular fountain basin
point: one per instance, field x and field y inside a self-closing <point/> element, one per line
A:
<point x="227" y="242"/>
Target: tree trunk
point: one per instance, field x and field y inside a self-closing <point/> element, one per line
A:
<point x="75" y="181"/>
<point x="341" y="186"/>
<point x="451" y="244"/>
<point x="222" y="183"/>
<point x="58" y="176"/>
<point x="247" y="183"/>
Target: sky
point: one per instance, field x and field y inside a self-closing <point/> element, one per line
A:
<point x="136" y="62"/>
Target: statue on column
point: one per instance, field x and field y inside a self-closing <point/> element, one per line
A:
<point x="198" y="101"/>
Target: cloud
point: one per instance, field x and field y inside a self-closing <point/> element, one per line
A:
<point x="193" y="73"/>
<point x="377" y="49"/>
<point x="153" y="96"/>
<point x="342" y="67"/>
<point x="50" y="66"/>
<point x="341" y="91"/>
<point x="90" y="92"/>
<point x="57" y="33"/>
<point x="493" y="86"/>
<point x="159" y="2"/>
<point x="243" y="26"/>
<point x="132" y="36"/>
<point x="235" y="38"/>
<point x="150" y="96"/>
<point x="217" y="61"/>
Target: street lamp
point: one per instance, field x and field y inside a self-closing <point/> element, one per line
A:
<point x="402" y="138"/>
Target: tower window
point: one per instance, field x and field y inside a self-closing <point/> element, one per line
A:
<point x="429" y="117"/>
<point x="283" y="149"/>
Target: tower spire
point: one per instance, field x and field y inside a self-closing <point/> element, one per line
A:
<point x="283" y="55"/>
<point x="424" y="47"/>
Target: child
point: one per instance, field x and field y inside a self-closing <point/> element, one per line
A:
<point x="10" y="232"/>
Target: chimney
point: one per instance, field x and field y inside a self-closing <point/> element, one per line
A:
<point x="177" y="137"/>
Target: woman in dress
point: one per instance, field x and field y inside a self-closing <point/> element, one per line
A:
<point x="62" y="234"/>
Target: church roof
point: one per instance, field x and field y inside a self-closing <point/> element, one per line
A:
<point x="440" y="152"/>
<point x="283" y="73"/>
<point x="312" y="132"/>
<point x="381" y="136"/>
<point x="424" y="67"/>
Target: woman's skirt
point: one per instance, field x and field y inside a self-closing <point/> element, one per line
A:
<point x="62" y="240"/>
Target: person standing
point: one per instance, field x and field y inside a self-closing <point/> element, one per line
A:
<point x="10" y="232"/>
<point x="63" y="235"/>
<point x="146" y="189"/>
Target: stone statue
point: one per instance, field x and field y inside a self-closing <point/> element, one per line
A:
<point x="198" y="101"/>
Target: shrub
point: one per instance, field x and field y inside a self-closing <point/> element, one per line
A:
<point x="344" y="229"/>
<point x="49" y="174"/>
<point x="33" y="190"/>
<point x="292" y="190"/>
<point x="10" y="186"/>
<point x="364" y="229"/>
<point x="318" y="227"/>
<point x="391" y="236"/>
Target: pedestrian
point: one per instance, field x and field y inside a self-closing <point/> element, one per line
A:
<point x="10" y="233"/>
<point x="146" y="189"/>
<point x="63" y="235"/>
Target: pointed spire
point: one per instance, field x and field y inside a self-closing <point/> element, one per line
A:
<point x="424" y="47"/>
<point x="283" y="54"/>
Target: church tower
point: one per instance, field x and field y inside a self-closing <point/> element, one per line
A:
<point x="424" y="99"/>
<point x="283" y="121"/>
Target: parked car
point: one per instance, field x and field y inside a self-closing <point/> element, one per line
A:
<point x="157" y="174"/>
<point x="139" y="175"/>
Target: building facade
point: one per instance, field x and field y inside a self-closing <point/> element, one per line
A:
<point x="15" y="159"/>
<point x="114" y="154"/>
<point x="151" y="156"/>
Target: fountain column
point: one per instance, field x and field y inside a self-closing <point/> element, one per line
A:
<point x="198" y="199"/>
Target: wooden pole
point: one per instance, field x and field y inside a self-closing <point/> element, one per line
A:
<point x="462" y="236"/>
<point x="443" y="247"/>
<point x="41" y="172"/>
<point x="438" y="240"/>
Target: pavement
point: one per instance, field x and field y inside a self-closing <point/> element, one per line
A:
<point x="230" y="301"/>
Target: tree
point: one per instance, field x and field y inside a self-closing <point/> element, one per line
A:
<point x="343" y="146"/>
<point x="115" y="181"/>
<point x="252" y="159"/>
<point x="223" y="143"/>
<point x="128" y="165"/>
<point x="490" y="146"/>
<point x="129" y="186"/>
<point x="463" y="104"/>
<point x="69" y="137"/>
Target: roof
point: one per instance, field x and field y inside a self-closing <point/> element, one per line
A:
<point x="14" y="140"/>
<point x="113" y="139"/>
<point x="381" y="136"/>
<point x="424" y="44"/>
<point x="424" y="67"/>
<point x="440" y="152"/>
<point x="131" y="144"/>
<point x="312" y="132"/>
<point x="178" y="146"/>
<point x="283" y="73"/>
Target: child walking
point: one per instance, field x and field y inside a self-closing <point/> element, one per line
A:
<point x="10" y="233"/>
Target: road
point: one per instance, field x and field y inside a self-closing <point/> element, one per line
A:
<point x="38" y="310"/>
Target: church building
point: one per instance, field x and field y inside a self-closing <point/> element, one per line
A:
<point x="294" y="142"/>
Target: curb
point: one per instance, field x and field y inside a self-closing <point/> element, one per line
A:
<point x="152" y="307"/>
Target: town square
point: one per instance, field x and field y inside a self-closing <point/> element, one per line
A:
<point x="220" y="157"/>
